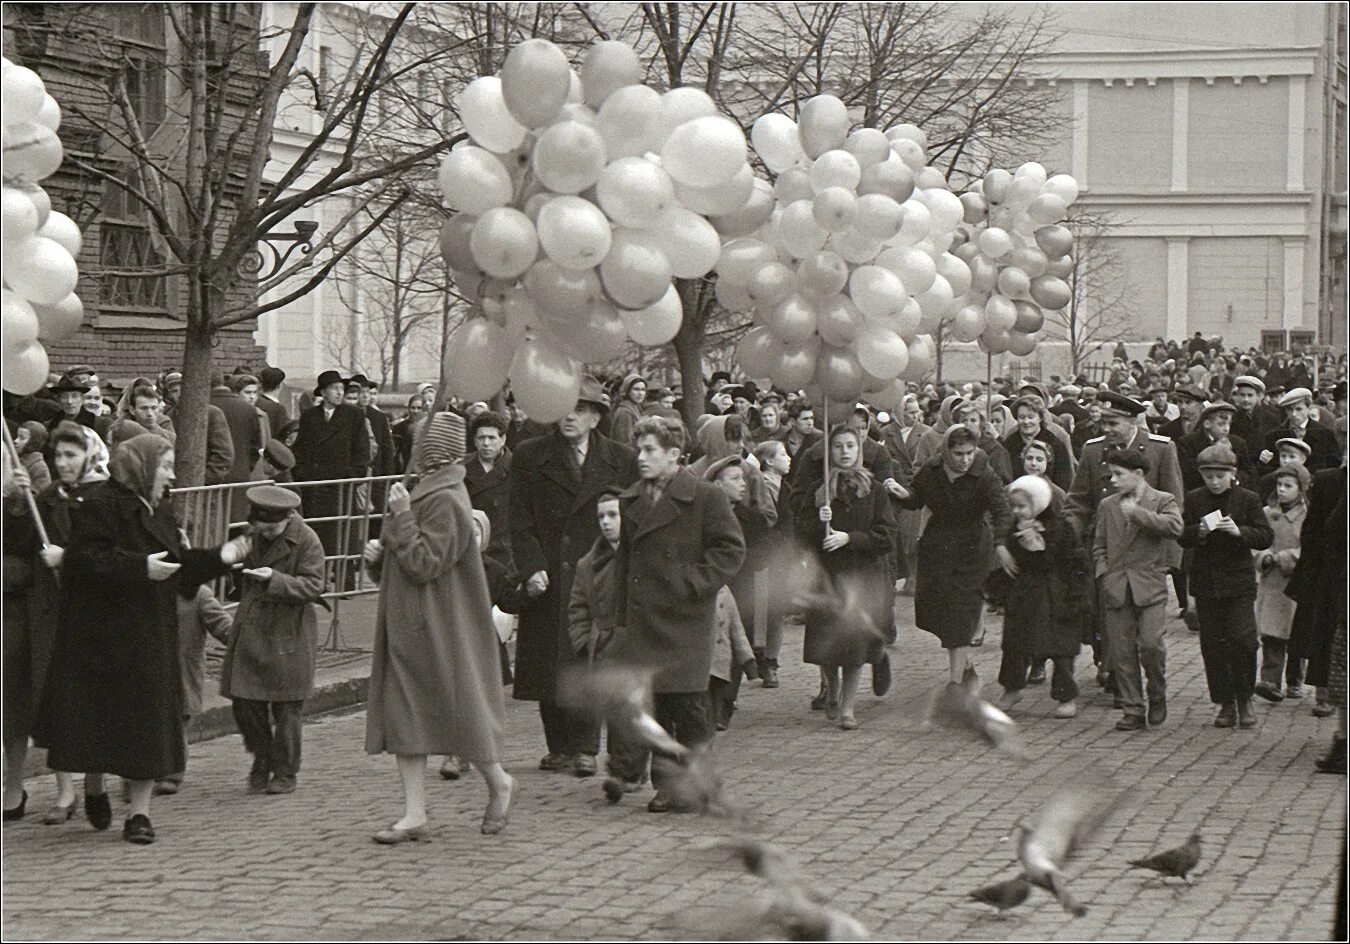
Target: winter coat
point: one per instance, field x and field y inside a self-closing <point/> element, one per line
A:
<point x="1222" y="566"/>
<point x="956" y="549"/>
<point x="1130" y="558"/>
<point x="1326" y="450"/>
<point x="1047" y="607"/>
<point x="113" y="702"/>
<point x="219" y="446"/>
<point x="862" y="563"/>
<point x="490" y="493"/>
<point x="673" y="558"/>
<point x="1192" y="444"/>
<point x="1274" y="610"/>
<point x="590" y="611"/>
<point x="336" y="448"/>
<point x="199" y="615"/>
<point x="37" y="470"/>
<point x="731" y="647"/>
<point x="713" y="444"/>
<point x="276" y="631"/>
<point x="435" y="679"/>
<point x="626" y="417"/>
<point x="1318" y="580"/>
<point x="552" y="525"/>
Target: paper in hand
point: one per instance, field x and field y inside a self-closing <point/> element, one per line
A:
<point x="1212" y="520"/>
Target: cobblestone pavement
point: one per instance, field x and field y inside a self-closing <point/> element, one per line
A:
<point x="895" y="821"/>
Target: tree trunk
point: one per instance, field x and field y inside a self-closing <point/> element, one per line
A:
<point x="190" y="418"/>
<point x="689" y="349"/>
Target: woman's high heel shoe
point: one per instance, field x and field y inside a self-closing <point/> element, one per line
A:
<point x="393" y="835"/>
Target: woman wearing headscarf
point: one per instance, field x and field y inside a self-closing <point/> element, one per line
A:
<point x="632" y="397"/>
<point x="847" y="521"/>
<point x="971" y="415"/>
<point x="969" y="515"/>
<point x="435" y="680"/>
<point x="113" y="698"/>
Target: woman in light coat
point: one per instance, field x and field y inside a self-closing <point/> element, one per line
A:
<point x="435" y="682"/>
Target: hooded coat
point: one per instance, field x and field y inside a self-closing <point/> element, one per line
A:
<point x="435" y="679"/>
<point x="113" y="701"/>
<point x="626" y="412"/>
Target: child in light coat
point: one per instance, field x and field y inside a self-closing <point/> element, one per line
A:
<point x="732" y="655"/>
<point x="1285" y="511"/>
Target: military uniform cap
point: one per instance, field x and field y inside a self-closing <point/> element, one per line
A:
<point x="271" y="503"/>
<point x="1117" y="404"/>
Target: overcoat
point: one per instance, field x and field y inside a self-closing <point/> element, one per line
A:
<point x="673" y="557"/>
<point x="435" y="679"/>
<point x="1274" y="610"/>
<point x="1047" y="607"/>
<point x="553" y="523"/>
<point x="1131" y="556"/>
<point x="276" y="631"/>
<point x="1326" y="450"/>
<point x="1222" y="567"/>
<point x="1318" y="580"/>
<point x="956" y="546"/>
<point x="870" y="525"/>
<point x="113" y="701"/>
<point x="490" y="493"/>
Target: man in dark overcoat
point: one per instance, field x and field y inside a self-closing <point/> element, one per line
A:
<point x="384" y="459"/>
<point x="1215" y="426"/>
<point x="487" y="477"/>
<point x="679" y="544"/>
<point x="555" y="481"/>
<point x="330" y="444"/>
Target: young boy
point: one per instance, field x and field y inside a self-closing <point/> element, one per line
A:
<point x="1275" y="611"/>
<point x="732" y="653"/>
<point x="269" y="666"/>
<point x="1289" y="452"/>
<point x="1225" y="523"/>
<point x="1133" y="544"/>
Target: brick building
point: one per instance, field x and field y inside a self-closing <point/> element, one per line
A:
<point x="85" y="53"/>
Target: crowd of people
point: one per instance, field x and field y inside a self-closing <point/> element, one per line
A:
<point x="620" y="535"/>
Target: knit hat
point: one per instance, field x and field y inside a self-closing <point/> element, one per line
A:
<point x="440" y="443"/>
<point x="1035" y="488"/>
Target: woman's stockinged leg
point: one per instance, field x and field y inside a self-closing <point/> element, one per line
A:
<point x="849" y="690"/>
<point x="140" y="791"/>
<point x="412" y="770"/>
<point x="16" y="752"/>
<point x="958" y="660"/>
<point x="500" y="787"/>
<point x="65" y="788"/>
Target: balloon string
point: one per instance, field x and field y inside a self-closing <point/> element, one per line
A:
<point x="27" y="491"/>
<point x="826" y="456"/>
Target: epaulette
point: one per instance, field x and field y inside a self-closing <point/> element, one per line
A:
<point x="1156" y="438"/>
<point x="1095" y="439"/>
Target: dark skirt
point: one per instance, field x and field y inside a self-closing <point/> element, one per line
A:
<point x="948" y="599"/>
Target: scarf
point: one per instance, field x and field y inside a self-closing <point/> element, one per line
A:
<point x="952" y="473"/>
<point x="134" y="464"/>
<point x="1030" y="534"/>
<point x="854" y="480"/>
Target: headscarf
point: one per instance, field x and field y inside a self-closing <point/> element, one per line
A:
<point x="712" y="438"/>
<point x="855" y="478"/>
<point x="944" y="420"/>
<point x="37" y="437"/>
<point x="97" y="459"/>
<point x="904" y="403"/>
<point x="124" y="402"/>
<point x="134" y="464"/>
<point x="1035" y="488"/>
<point x="440" y="442"/>
<point x="946" y="453"/>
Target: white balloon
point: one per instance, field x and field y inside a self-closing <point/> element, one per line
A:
<point x="835" y="169"/>
<point x="60" y="321"/>
<point x="995" y="243"/>
<point x="878" y="215"/>
<point x="634" y="192"/>
<point x="916" y="223"/>
<point x="798" y="230"/>
<point x="18" y="322"/>
<point x="835" y="208"/>
<point x="869" y="146"/>
<point x="775" y="139"/>
<point x="62" y="229"/>
<point x="41" y="270"/>
<point x="753" y="214"/>
<point x="855" y="247"/>
<point x="636" y="273"/>
<point x="49" y="115"/>
<point x="569" y="157"/>
<point x="911" y="153"/>
<point x="822" y="125"/>
<point x="955" y="271"/>
<point x="1032" y="171"/>
<point x="683" y="104"/>
<point x="740" y="258"/>
<point x="657" y="323"/>
<point x="704" y="152"/>
<point x="937" y="301"/>
<point x="1063" y="186"/>
<point x="473" y="180"/>
<point x="907" y="132"/>
<point x="23" y="93"/>
<point x="727" y="197"/>
<point x="944" y="208"/>
<point x="877" y="291"/>
<point x="19" y="215"/>
<point x="607" y="66"/>
<point x="915" y="267"/>
<point x="929" y="178"/>
<point x="504" y="242"/>
<point x="573" y="232"/>
<point x="486" y="117"/>
<point x="630" y="121"/>
<point x="689" y="241"/>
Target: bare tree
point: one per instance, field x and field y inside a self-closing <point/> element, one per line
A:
<point x="199" y="167"/>
<point x="1101" y="310"/>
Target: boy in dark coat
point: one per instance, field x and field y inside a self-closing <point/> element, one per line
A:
<point x="1225" y="523"/>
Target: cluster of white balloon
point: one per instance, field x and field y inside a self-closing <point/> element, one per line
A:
<point x="581" y="197"/>
<point x="39" y="244"/>
<point x="1018" y="253"/>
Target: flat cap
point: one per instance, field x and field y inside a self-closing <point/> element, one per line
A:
<point x="1295" y="396"/>
<point x="279" y="454"/>
<point x="1250" y="380"/>
<point x="1218" y="456"/>
<point x="1290" y="442"/>
<point x="1191" y="392"/>
<point x="1217" y="407"/>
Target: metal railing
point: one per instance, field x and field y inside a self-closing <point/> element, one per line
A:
<point x="209" y="515"/>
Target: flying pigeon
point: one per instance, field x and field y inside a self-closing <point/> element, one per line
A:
<point x="1066" y="821"/>
<point x="621" y="694"/>
<point x="691" y="782"/>
<point x="1004" y="895"/>
<point x="1174" y="862"/>
<point x="961" y="707"/>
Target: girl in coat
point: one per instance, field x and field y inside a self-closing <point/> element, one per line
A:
<point x="847" y="520"/>
<point x="114" y="693"/>
<point x="1046" y="605"/>
<point x="435" y="681"/>
<point x="969" y="517"/>
<point x="1285" y="511"/>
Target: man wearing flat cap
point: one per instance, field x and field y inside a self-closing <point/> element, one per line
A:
<point x="1299" y="424"/>
<point x="555" y="481"/>
<point x="1254" y="418"/>
<point x="1190" y="400"/>
<point x="1215" y="427"/>
<point x="269" y="665"/>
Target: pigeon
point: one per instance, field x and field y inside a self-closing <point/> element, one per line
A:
<point x="1174" y="862"/>
<point x="691" y="782"/>
<point x="961" y="707"/>
<point x="1004" y="895"/>
<point x="792" y="910"/>
<point x="620" y="694"/>
<point x="1066" y="821"/>
<point x="843" y="605"/>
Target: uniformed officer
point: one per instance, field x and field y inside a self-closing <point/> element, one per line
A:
<point x="1092" y="478"/>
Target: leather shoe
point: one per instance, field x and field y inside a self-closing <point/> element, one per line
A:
<point x="1246" y="716"/>
<point x="393" y="835"/>
<point x="615" y="788"/>
<point x="583" y="765"/>
<point x="257" y="776"/>
<point x="166" y="787"/>
<point x="18" y="811"/>
<point x="280" y="785"/>
<point x="452" y="768"/>
<point x="1191" y="620"/>
<point x="1157" y="713"/>
<point x="1037" y="675"/>
<point x="59" y="814"/>
<point x="1268" y="691"/>
<point x="553" y="761"/>
<point x="881" y="675"/>
<point x="1130" y="723"/>
<point x="98" y="810"/>
<point x="1227" y="716"/>
<point x="138" y="830"/>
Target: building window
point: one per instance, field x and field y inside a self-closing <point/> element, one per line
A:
<point x="126" y="245"/>
<point x="139" y="27"/>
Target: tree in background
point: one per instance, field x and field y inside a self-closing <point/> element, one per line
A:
<point x="1101" y="310"/>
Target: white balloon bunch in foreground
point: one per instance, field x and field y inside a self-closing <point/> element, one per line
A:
<point x="1018" y="254"/>
<point x="851" y="274"/>
<point x="39" y="244"/>
<point x="581" y="197"/>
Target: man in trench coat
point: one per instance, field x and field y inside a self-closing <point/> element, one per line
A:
<point x="269" y="666"/>
<point x="555" y="481"/>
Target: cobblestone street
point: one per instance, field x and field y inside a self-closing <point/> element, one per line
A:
<point x="897" y="822"/>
